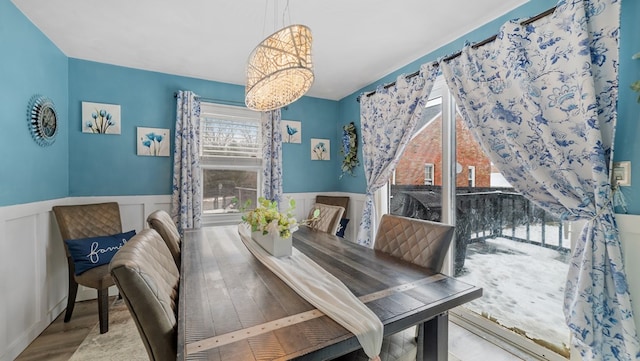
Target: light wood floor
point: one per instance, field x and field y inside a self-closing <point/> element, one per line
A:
<point x="60" y="340"/>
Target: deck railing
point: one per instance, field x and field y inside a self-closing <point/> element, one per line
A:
<point x="483" y="213"/>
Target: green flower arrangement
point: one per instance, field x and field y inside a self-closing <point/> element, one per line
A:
<point x="636" y="85"/>
<point x="268" y="219"/>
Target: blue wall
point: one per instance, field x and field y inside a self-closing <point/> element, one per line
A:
<point x="30" y="64"/>
<point x="627" y="146"/>
<point x="80" y="164"/>
<point x="108" y="165"/>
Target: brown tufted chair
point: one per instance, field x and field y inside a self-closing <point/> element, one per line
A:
<point x="84" y="221"/>
<point x="420" y="242"/>
<point x="163" y="224"/>
<point x="148" y="279"/>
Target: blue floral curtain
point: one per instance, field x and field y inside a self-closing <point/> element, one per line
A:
<point x="541" y="100"/>
<point x="186" y="200"/>
<point x="387" y="120"/>
<point x="272" y="155"/>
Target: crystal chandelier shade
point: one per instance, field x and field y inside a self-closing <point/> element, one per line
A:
<point x="280" y="70"/>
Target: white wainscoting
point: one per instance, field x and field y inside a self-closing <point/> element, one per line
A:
<point x="33" y="287"/>
<point x="33" y="265"/>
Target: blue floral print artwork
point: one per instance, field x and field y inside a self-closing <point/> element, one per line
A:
<point x="153" y="142"/>
<point x="320" y="149"/>
<point x="291" y="131"/>
<point x="100" y="118"/>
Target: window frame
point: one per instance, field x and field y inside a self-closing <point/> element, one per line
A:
<point x="471" y="178"/>
<point x="429" y="171"/>
<point x="228" y="112"/>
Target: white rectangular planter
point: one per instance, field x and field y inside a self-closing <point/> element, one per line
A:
<point x="275" y="245"/>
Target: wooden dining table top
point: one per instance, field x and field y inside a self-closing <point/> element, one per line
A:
<point x="231" y="307"/>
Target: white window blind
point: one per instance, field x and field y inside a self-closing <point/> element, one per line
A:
<point x="229" y="132"/>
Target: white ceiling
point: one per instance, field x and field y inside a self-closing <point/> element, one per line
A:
<point x="355" y="42"/>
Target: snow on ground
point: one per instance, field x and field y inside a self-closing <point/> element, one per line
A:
<point x="523" y="286"/>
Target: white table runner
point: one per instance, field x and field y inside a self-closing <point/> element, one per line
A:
<point x="327" y="293"/>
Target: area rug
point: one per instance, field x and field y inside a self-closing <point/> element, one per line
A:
<point x="122" y="342"/>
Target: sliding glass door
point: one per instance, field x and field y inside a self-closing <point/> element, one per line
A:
<point x="514" y="250"/>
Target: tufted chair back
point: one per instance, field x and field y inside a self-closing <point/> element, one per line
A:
<point x="148" y="279"/>
<point x="420" y="242"/>
<point x="329" y="219"/>
<point x="163" y="224"/>
<point x="86" y="221"/>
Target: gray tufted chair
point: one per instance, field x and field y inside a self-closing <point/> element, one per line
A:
<point x="420" y="242"/>
<point x="329" y="219"/>
<point x="163" y="224"/>
<point x="148" y="279"/>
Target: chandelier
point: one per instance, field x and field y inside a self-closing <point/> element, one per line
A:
<point x="279" y="70"/>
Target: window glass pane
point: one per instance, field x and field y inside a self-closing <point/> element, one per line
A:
<point x="417" y="182"/>
<point x="226" y="191"/>
<point x="514" y="250"/>
<point x="229" y="138"/>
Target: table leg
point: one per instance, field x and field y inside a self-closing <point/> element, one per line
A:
<point x="435" y="338"/>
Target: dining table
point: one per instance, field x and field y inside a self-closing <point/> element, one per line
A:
<point x="232" y="307"/>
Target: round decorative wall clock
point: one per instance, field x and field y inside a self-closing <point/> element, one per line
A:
<point x="43" y="120"/>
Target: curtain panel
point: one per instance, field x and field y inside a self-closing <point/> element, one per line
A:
<point x="186" y="199"/>
<point x="387" y="122"/>
<point x="541" y="100"/>
<point x="272" y="155"/>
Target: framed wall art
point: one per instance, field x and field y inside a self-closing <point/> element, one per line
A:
<point x="291" y="131"/>
<point x="153" y="142"/>
<point x="100" y="118"/>
<point x="320" y="149"/>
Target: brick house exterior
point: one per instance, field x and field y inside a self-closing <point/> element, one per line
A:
<point x="426" y="147"/>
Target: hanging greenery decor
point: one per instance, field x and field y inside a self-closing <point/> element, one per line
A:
<point x="349" y="149"/>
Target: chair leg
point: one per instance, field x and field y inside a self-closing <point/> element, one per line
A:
<point x="71" y="298"/>
<point x="103" y="309"/>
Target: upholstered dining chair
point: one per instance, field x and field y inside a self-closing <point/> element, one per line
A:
<point x="329" y="219"/>
<point x="341" y="201"/>
<point x="420" y="242"/>
<point x="85" y="221"/>
<point x="163" y="224"/>
<point x="146" y="274"/>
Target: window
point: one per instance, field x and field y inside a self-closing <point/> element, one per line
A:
<point x="230" y="158"/>
<point x="428" y="174"/>
<point x="472" y="176"/>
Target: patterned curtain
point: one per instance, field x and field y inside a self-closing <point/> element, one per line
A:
<point x="272" y="155"/>
<point x="387" y="120"/>
<point x="541" y="100"/>
<point x="186" y="201"/>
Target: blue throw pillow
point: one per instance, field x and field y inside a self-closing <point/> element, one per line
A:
<point x="342" y="227"/>
<point x="92" y="252"/>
